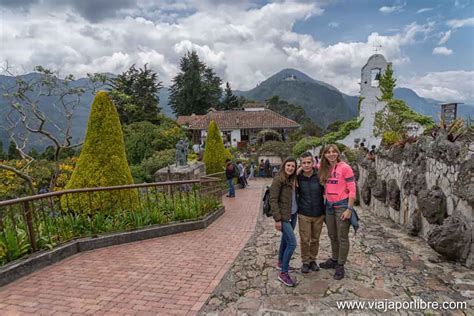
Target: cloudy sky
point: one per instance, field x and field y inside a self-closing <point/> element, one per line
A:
<point x="430" y="43"/>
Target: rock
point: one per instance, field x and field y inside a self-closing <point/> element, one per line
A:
<point x="365" y="192"/>
<point x="248" y="304"/>
<point x="414" y="223"/>
<point x="393" y="194"/>
<point x="432" y="204"/>
<point x="242" y="285"/>
<point x="215" y="301"/>
<point x="371" y="293"/>
<point x="452" y="239"/>
<point x="253" y="294"/>
<point x="379" y="191"/>
<point x="372" y="178"/>
<point x="464" y="187"/>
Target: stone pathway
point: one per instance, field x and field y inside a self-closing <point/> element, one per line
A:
<point x="168" y="275"/>
<point x="384" y="264"/>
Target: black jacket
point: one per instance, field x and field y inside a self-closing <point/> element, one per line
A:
<point x="310" y="195"/>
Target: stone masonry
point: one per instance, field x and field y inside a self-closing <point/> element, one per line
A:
<point x="383" y="264"/>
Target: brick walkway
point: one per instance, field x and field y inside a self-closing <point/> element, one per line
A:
<point x="168" y="275"/>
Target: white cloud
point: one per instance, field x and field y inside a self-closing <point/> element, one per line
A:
<point x="441" y="50"/>
<point x="244" y="45"/>
<point x="333" y="24"/>
<point x="445" y="37"/>
<point x="455" y="24"/>
<point x="446" y="86"/>
<point x="391" y="9"/>
<point x="424" y="10"/>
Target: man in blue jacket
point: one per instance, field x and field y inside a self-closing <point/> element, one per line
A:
<point x="310" y="212"/>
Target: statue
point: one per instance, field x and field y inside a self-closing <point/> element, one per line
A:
<point x="182" y="153"/>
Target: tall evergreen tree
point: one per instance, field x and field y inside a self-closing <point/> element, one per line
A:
<point x="230" y="99"/>
<point x="387" y="83"/>
<point x="13" y="152"/>
<point x="135" y="94"/>
<point x="215" y="153"/>
<point x="195" y="88"/>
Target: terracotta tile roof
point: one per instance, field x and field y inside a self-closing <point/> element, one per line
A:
<point x="188" y="119"/>
<point x="238" y="119"/>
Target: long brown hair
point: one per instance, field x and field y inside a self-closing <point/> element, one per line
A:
<point x="325" y="167"/>
<point x="282" y="173"/>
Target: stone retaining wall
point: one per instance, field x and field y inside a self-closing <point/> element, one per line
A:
<point x="428" y="188"/>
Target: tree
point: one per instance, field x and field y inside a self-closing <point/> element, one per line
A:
<point x="135" y="94"/>
<point x="13" y="152"/>
<point x="26" y="115"/>
<point x="102" y="162"/>
<point x="215" y="154"/>
<point x="143" y="139"/>
<point x="230" y="99"/>
<point x="387" y="84"/>
<point x="195" y="88"/>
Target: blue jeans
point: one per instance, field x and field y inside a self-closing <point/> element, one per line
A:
<point x="288" y="242"/>
<point x="230" y="182"/>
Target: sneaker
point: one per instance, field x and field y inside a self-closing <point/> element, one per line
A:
<point x="285" y="279"/>
<point x="313" y="266"/>
<point x="305" y="268"/>
<point x="290" y="268"/>
<point x="329" y="264"/>
<point x="339" y="274"/>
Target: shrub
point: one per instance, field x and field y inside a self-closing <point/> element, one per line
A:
<point x="145" y="171"/>
<point x="102" y="161"/>
<point x="390" y="138"/>
<point x="143" y="139"/>
<point x="215" y="154"/>
<point x="282" y="149"/>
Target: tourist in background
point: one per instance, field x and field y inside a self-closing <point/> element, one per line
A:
<point x="340" y="190"/>
<point x="310" y="212"/>
<point x="261" y="169"/>
<point x="284" y="207"/>
<point x="252" y="171"/>
<point x="229" y="174"/>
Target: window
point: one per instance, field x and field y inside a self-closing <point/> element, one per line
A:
<point x="375" y="77"/>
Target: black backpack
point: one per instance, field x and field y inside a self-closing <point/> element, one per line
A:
<point x="266" y="202"/>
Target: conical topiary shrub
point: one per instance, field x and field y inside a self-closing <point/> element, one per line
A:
<point x="215" y="154"/>
<point x="102" y="163"/>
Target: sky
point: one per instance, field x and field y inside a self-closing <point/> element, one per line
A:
<point x="430" y="43"/>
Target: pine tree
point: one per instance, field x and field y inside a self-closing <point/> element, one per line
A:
<point x="33" y="153"/>
<point x="13" y="152"/>
<point x="196" y="88"/>
<point x="135" y="94"/>
<point x="102" y="162"/>
<point x="230" y="99"/>
<point x="387" y="84"/>
<point x="215" y="154"/>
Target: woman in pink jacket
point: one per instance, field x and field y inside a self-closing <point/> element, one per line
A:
<point x="340" y="191"/>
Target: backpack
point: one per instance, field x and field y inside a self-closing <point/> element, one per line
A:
<point x="266" y="202"/>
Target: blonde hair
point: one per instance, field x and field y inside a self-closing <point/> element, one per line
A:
<point x="325" y="166"/>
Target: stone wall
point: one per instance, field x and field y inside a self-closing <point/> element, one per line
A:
<point x="428" y="188"/>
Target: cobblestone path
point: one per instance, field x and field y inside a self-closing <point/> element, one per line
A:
<point x="168" y="275"/>
<point x="384" y="264"/>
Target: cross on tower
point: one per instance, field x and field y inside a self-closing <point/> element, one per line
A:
<point x="377" y="47"/>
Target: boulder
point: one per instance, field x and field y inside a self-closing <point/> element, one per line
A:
<point x="372" y="178"/>
<point x="414" y="223"/>
<point x="379" y="191"/>
<point x="432" y="204"/>
<point x="452" y="239"/>
<point x="393" y="194"/>
<point x="464" y="187"/>
<point x="365" y="192"/>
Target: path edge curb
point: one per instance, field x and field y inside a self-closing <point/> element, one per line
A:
<point x="16" y="269"/>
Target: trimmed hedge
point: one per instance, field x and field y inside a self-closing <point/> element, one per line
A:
<point x="215" y="154"/>
<point x="102" y="162"/>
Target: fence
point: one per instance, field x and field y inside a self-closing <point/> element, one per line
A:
<point x="43" y="221"/>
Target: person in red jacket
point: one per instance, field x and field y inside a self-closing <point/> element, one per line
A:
<point x="340" y="191"/>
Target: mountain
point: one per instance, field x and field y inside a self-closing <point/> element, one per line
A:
<point x="54" y="114"/>
<point x="427" y="106"/>
<point x="322" y="102"/>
